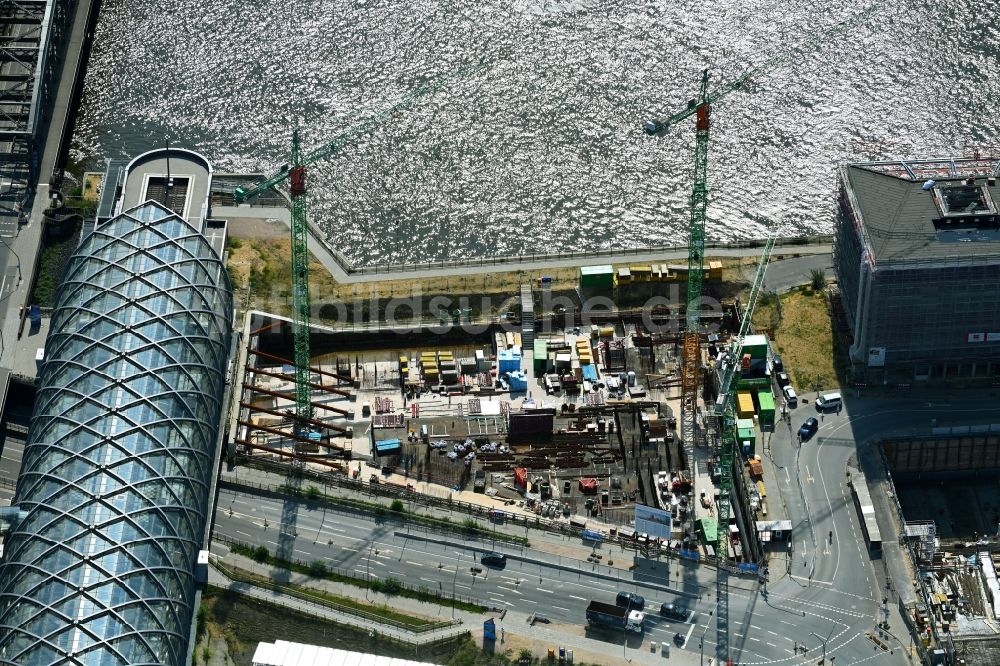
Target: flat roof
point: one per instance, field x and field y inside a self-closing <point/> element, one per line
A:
<point x="190" y="174"/>
<point x="286" y="653"/>
<point x="899" y="215"/>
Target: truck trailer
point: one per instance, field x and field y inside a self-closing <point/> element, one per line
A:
<point x="609" y="616"/>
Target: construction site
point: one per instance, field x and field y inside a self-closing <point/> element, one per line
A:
<point x="946" y="487"/>
<point x="577" y="425"/>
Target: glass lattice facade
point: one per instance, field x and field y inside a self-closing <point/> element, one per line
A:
<point x="119" y="457"/>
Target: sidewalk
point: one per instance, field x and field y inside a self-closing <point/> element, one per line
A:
<point x="18" y="354"/>
<point x="345" y="273"/>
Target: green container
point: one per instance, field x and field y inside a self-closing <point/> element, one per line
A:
<point x="541" y="355"/>
<point x="597" y="277"/>
<point x="708" y="530"/>
<point x="755" y="345"/>
<point x="766" y="401"/>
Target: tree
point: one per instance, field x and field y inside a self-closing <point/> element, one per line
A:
<point x="392" y="586"/>
<point x="317" y="569"/>
<point x="817" y="279"/>
<point x="313" y="493"/>
<point x="396" y="506"/>
<point x="260" y="554"/>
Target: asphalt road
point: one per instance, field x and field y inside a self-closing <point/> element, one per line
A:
<point x="784" y="274"/>
<point x="762" y="630"/>
<point x="556" y="587"/>
<point x="836" y="573"/>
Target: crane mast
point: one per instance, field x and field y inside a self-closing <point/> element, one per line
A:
<point x="721" y="414"/>
<point x="295" y="173"/>
<point x="300" y="282"/>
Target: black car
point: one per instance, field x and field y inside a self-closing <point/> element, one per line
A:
<point x="674" y="612"/>
<point x="776" y="363"/>
<point x="782" y="378"/>
<point x="679" y="640"/>
<point x="808" y="429"/>
<point x="498" y="560"/>
<point x="630" y="600"/>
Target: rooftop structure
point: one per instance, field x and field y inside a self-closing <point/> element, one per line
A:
<point x="120" y="452"/>
<point x="918" y="260"/>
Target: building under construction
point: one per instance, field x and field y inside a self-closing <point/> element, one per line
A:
<point x="917" y="255"/>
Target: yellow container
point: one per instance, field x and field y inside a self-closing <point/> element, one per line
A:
<point x="744" y="405"/>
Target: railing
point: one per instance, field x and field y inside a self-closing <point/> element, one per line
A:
<point x="242" y="576"/>
<point x="350" y="577"/>
<point x="515" y="260"/>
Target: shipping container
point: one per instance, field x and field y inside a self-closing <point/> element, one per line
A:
<point x="541" y="349"/>
<point x="755" y="345"/>
<point x="597" y="276"/>
<point x="766" y="401"/>
<point x="744" y="405"/>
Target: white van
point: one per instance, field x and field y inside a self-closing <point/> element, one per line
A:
<point x="790" y="397"/>
<point x="829" y="402"/>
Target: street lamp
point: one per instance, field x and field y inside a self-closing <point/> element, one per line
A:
<point x="823" y="661"/>
<point x="454" y="582"/>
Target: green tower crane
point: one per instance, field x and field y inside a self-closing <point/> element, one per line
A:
<point x="700" y="107"/>
<point x="295" y="173"/>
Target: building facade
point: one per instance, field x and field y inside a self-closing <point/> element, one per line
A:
<point x="120" y="453"/>
<point x="917" y="255"/>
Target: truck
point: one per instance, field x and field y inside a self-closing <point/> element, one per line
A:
<point x="479" y="485"/>
<point x="609" y="616"/>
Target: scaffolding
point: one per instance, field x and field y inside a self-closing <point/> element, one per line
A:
<point x="924" y="532"/>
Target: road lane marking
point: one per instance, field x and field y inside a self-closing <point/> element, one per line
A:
<point x="754" y="639"/>
<point x="416" y="564"/>
<point x="688" y="636"/>
<point x="546" y="591"/>
<point x="428" y="580"/>
<point x="573" y="596"/>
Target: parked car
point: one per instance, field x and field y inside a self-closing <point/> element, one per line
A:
<point x="808" y="429"/>
<point x="782" y="378"/>
<point x="674" y="612"/>
<point x="498" y="560"/>
<point x="829" y="402"/>
<point x="567" y="487"/>
<point x="790" y="397"/>
<point x="630" y="600"/>
<point x="776" y="363"/>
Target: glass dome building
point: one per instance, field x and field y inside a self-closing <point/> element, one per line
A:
<point x="120" y="452"/>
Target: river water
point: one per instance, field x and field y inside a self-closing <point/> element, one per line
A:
<point x="541" y="149"/>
